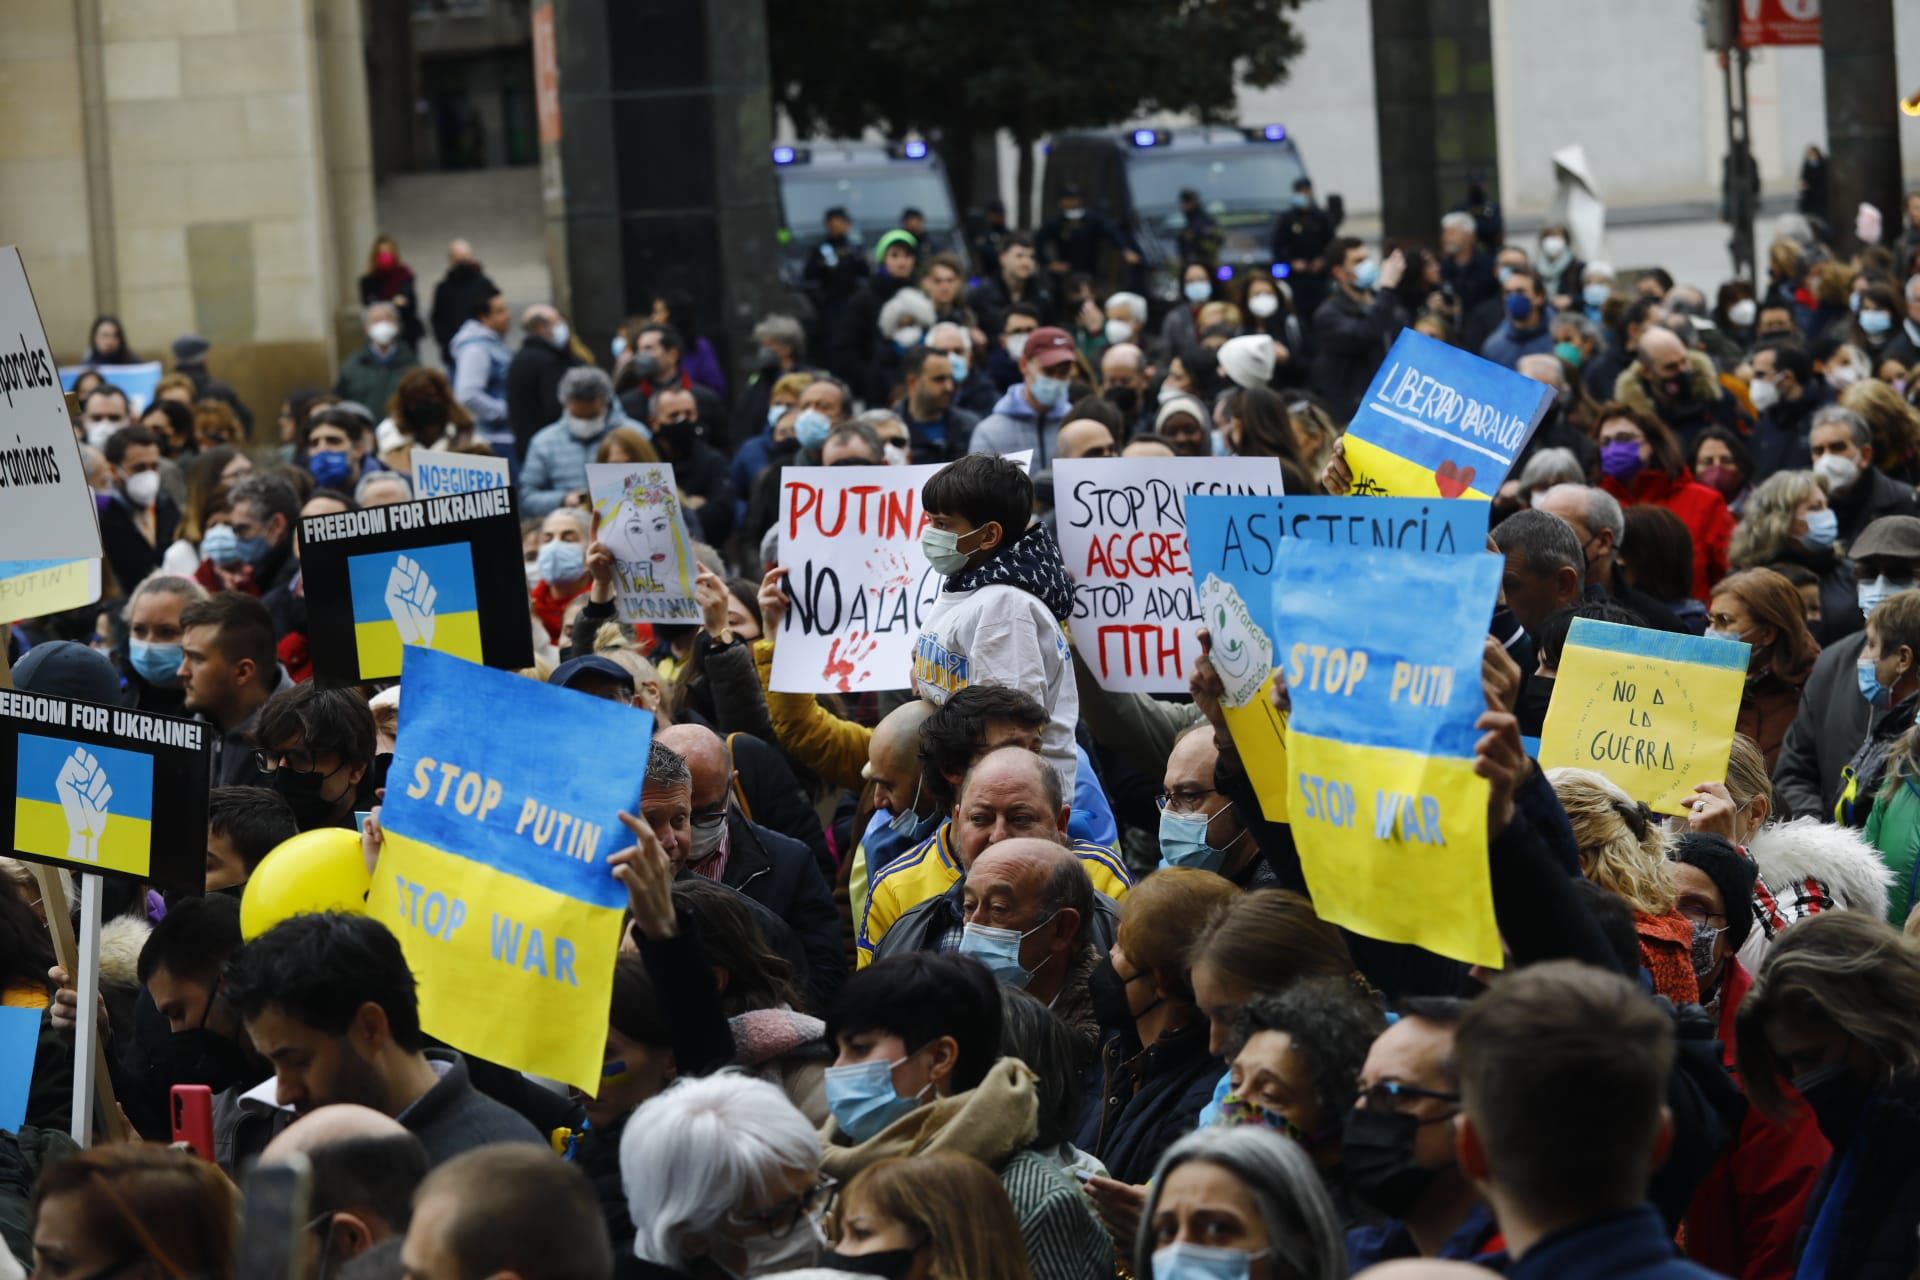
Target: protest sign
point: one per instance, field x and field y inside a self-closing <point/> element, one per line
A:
<point x="35" y="588"/>
<point x="19" y="1044"/>
<point x="437" y="473"/>
<point x="493" y="872"/>
<point x="1233" y="542"/>
<point x="859" y="583"/>
<point x="139" y="381"/>
<point x="1382" y="662"/>
<point x="49" y="511"/>
<point x="1651" y="710"/>
<point x="439" y="573"/>
<point x="108" y="789"/>
<point x="636" y="515"/>
<point x="1122" y="533"/>
<point x="1440" y="422"/>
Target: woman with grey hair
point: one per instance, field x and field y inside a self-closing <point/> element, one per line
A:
<point x="904" y="322"/>
<point x="558" y="454"/>
<point x="1238" y="1201"/>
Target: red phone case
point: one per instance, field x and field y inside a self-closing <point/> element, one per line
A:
<point x="193" y="1118"/>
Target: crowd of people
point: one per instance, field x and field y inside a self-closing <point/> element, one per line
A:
<point x="1004" y="974"/>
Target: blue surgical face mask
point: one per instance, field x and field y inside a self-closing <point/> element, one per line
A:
<point x="775" y="412"/>
<point x="562" y="563"/>
<point x="862" y="1099"/>
<point x="329" y="468"/>
<point x="1183" y="841"/>
<point x="1519" y="305"/>
<point x="220" y="546"/>
<point x="1596" y="295"/>
<point x="1503" y="271"/>
<point x="999" y="950"/>
<point x="1046" y="392"/>
<point x="1366" y="275"/>
<point x="619" y="346"/>
<point x="960" y="367"/>
<point x="158" y="664"/>
<point x="812" y="428"/>
<point x="1874" y="590"/>
<point x="942" y="549"/>
<point x="252" y="550"/>
<point x="1202" y="1262"/>
<point x="1823" y="527"/>
<point x="1870" y="687"/>
<point x="1876" y="321"/>
<point x="1197" y="291"/>
<point x="1301" y="199"/>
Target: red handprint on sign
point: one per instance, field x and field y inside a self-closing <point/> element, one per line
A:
<point x="845" y="667"/>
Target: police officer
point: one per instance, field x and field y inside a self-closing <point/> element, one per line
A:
<point x="1301" y="235"/>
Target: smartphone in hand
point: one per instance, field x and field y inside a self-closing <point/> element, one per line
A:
<point x="192" y="1111"/>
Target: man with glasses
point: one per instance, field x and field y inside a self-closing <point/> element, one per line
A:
<point x="316" y="750"/>
<point x="722" y="844"/>
<point x="1398" y="1149"/>
<point x="1199" y="826"/>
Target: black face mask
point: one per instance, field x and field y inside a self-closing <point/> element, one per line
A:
<point x="200" y="1056"/>
<point x="1533" y="701"/>
<point x="302" y="792"/>
<point x="1837" y="1097"/>
<point x="891" y="1264"/>
<point x="1376" y="1153"/>
<point x="1125" y="399"/>
<point x="1108" y="991"/>
<point x="678" y="436"/>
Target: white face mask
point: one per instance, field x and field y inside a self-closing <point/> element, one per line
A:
<point x="143" y="488"/>
<point x="1842" y="374"/>
<point x="586" y="428"/>
<point x="896" y="455"/>
<point x="1741" y="313"/>
<point x="1553" y="246"/>
<point x="561" y="334"/>
<point x="1763" y="394"/>
<point x="101" y="430"/>
<point x="1263" y="304"/>
<point x="1841" y="472"/>
<point x="908" y="338"/>
<point x="797" y="1249"/>
<point x="383" y="332"/>
<point x="1016" y="345"/>
<point x="1119" y="331"/>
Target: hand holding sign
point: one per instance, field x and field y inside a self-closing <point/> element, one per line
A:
<point x="410" y="596"/>
<point x="84" y="792"/>
<point x="648" y="876"/>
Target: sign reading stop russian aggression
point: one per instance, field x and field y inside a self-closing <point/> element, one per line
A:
<point x="1651" y="710"/>
<point x="1382" y="662"/>
<point x="1122" y="528"/>
<point x="46" y="508"/>
<point x="1439" y="422"/>
<point x="436" y="573"/>
<point x="106" y="789"/>
<point x="858" y="581"/>
<point x="493" y="872"/>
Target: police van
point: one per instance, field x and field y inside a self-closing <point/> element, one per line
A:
<point x="874" y="182"/>
<point x="1134" y="177"/>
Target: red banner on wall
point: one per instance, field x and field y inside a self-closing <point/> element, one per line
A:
<point x="1779" y="22"/>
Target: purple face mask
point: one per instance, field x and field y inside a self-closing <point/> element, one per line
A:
<point x="1621" y="459"/>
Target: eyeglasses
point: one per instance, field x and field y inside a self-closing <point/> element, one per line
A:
<point x="298" y="760"/>
<point x="709" y="820"/>
<point x="785" y="1216"/>
<point x="1183" y="801"/>
<point x="1391" y="1096"/>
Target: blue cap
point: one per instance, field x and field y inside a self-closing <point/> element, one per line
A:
<point x="596" y="664"/>
<point x="68" y="669"/>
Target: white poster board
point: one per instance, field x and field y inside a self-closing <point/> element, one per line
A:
<point x="636" y="515"/>
<point x="1122" y="530"/>
<point x="46" y="508"/>
<point x="437" y="473"/>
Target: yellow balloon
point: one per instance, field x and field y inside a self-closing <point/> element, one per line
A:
<point x="321" y="870"/>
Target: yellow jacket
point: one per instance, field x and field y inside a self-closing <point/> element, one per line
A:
<point x="833" y="748"/>
<point x="933" y="867"/>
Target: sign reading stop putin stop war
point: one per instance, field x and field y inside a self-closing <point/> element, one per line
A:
<point x="1651" y="710"/>
<point x="46" y="508"/>
<point x="1122" y="529"/>
<point x="1381" y="655"/>
<point x="493" y="873"/>
<point x="105" y="789"/>
<point x="438" y="573"/>
<point x="1438" y="422"/>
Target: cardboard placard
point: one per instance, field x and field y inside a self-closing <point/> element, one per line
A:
<point x="139" y="381"/>
<point x="437" y="473"/>
<point x="636" y="515"/>
<point x="440" y="573"/>
<point x="46" y="508"/>
<point x="35" y="588"/>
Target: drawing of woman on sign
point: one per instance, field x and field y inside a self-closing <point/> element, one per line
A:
<point x="640" y="523"/>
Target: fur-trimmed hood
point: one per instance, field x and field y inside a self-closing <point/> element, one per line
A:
<point x="1631" y="390"/>
<point x="1849" y="875"/>
<point x="121" y="939"/>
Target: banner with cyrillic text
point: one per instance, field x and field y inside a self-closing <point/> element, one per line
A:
<point x="493" y="872"/>
<point x="1123" y="534"/>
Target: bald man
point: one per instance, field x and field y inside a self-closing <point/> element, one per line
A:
<point x="1084" y="438"/>
<point x="458" y="295"/>
<point x="366" y="1168"/>
<point x="1123" y="381"/>
<point x="533" y="377"/>
<point x="508" y="1215"/>
<point x="1678" y="386"/>
<point x="904" y="811"/>
<point x="1425" y="1269"/>
<point x="1148" y="447"/>
<point x="768" y="866"/>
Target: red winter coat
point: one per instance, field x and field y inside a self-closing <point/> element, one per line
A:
<point x="1701" y="509"/>
<point x="1748" y="1210"/>
<point x="550" y="605"/>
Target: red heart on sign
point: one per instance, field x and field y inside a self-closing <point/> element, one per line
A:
<point x="1452" y="481"/>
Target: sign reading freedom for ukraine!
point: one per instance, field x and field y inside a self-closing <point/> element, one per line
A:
<point x="436" y="573"/>
<point x="1438" y="422"/>
<point x="1381" y="653"/>
<point x="636" y="515"/>
<point x="1123" y="536"/>
<point x="106" y="789"/>
<point x="493" y="873"/>
<point x="1232" y="543"/>
<point x="1651" y="710"/>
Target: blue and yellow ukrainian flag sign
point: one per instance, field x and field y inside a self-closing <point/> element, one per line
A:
<point x="1652" y="711"/>
<point x="421" y="597"/>
<point x="90" y="807"/>
<point x="494" y="873"/>
<point x="1440" y="422"/>
<point x="1381" y="653"/>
